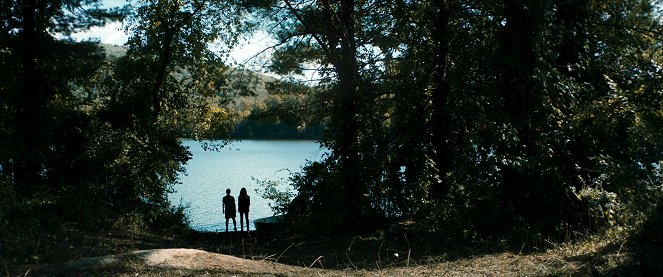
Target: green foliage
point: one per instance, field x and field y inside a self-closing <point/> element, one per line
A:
<point x="43" y="120"/>
<point x="270" y="190"/>
<point x="511" y="117"/>
<point x="92" y="139"/>
<point x="8" y="196"/>
<point x="316" y="206"/>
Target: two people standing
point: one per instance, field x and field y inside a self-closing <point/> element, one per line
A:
<point x="243" y="205"/>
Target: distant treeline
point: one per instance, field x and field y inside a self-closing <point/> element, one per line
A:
<point x="260" y="129"/>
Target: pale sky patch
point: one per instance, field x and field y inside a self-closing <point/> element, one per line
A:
<point x="113" y="33"/>
<point x="252" y="53"/>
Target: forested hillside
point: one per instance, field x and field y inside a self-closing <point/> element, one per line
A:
<point x="478" y="122"/>
<point x="261" y="107"/>
<point x="269" y="108"/>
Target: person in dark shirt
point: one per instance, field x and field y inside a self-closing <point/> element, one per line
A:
<point x="244" y="201"/>
<point x="229" y="209"/>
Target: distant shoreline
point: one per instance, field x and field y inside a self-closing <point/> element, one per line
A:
<point x="248" y="139"/>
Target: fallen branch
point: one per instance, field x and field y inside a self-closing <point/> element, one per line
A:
<point x="317" y="260"/>
<point x="277" y="259"/>
<point x="267" y="257"/>
<point x="379" y="261"/>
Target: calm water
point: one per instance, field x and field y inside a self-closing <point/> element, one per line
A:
<point x="210" y="173"/>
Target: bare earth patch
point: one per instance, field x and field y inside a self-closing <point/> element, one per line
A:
<point x="186" y="262"/>
<point x="181" y="261"/>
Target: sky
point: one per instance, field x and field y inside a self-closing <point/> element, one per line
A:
<point x="251" y="53"/>
<point x="114" y="33"/>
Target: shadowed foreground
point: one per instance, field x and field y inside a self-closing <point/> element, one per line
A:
<point x="216" y="254"/>
<point x="178" y="262"/>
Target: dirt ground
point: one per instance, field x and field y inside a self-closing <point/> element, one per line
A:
<point x="189" y="262"/>
<point x="215" y="254"/>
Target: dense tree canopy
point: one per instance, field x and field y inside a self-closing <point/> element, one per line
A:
<point x="476" y="118"/>
<point x="536" y="115"/>
<point x="94" y="139"/>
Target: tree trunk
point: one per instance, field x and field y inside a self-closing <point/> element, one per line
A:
<point x="346" y="112"/>
<point x="522" y="104"/>
<point x="26" y="164"/>
<point x="170" y="29"/>
<point x="441" y="121"/>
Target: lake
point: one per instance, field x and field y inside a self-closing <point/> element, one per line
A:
<point x="210" y="173"/>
